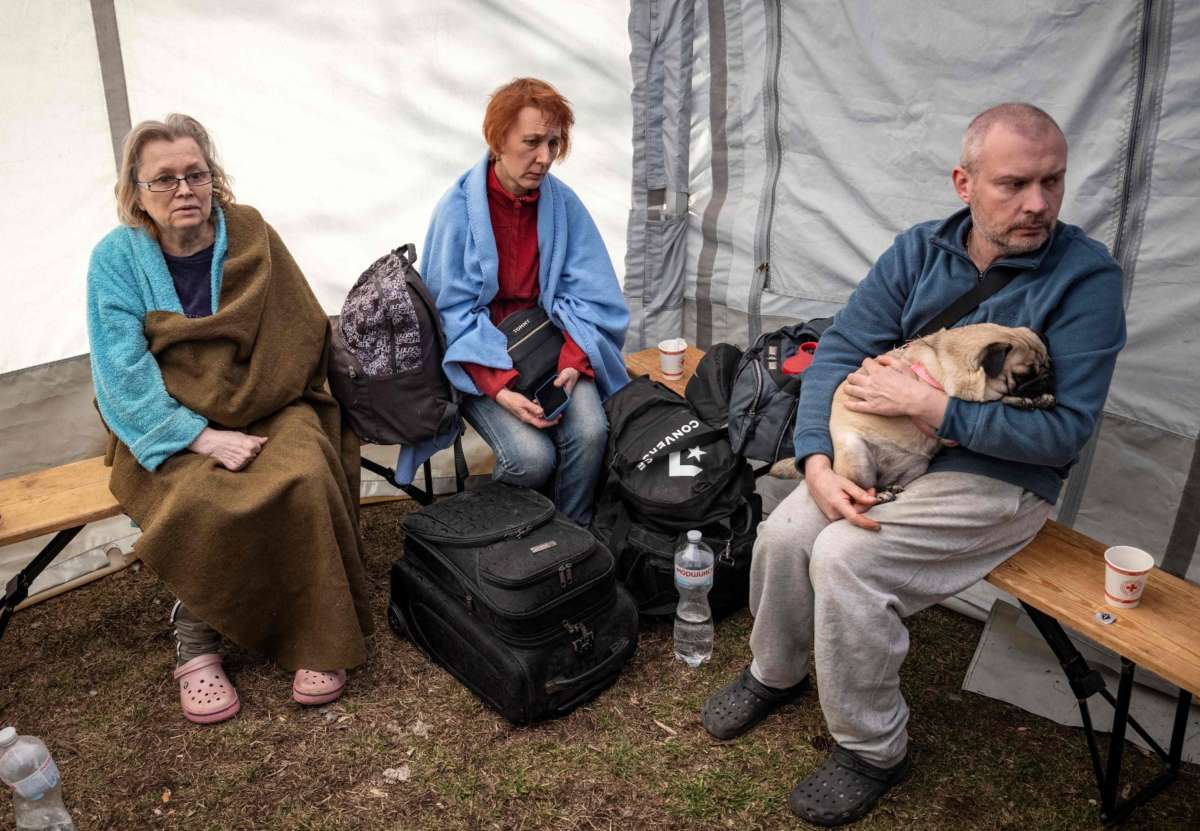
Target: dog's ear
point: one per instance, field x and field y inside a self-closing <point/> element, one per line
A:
<point x="991" y="360"/>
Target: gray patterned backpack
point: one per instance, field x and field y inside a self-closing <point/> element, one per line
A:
<point x="386" y="367"/>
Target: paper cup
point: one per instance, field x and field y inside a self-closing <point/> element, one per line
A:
<point x="1125" y="570"/>
<point x="670" y="357"/>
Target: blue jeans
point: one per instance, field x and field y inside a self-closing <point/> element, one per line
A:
<point x="572" y="451"/>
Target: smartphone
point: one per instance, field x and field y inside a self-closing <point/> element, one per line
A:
<point x="553" y="400"/>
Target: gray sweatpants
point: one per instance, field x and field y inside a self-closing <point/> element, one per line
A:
<point x="853" y="588"/>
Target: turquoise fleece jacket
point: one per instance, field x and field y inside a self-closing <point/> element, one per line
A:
<point x="128" y="279"/>
<point x="578" y="287"/>
<point x="1069" y="291"/>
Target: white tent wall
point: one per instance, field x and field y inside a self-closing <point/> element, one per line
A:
<point x="342" y="123"/>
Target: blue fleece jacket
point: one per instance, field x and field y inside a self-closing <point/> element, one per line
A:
<point x="1069" y="291"/>
<point x="578" y="287"/>
<point x="128" y="279"/>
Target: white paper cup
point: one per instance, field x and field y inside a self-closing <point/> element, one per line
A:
<point x="1125" y="570"/>
<point x="670" y="357"/>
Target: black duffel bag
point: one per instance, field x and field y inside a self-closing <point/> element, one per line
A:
<point x="518" y="603"/>
<point x="670" y="468"/>
<point x="646" y="556"/>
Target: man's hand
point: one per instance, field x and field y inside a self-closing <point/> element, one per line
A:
<point x="233" y="450"/>
<point x="887" y="386"/>
<point x="528" y="411"/>
<point x="837" y="496"/>
<point x="567" y="379"/>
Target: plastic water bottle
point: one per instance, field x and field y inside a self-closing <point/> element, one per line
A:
<point x="693" y="617"/>
<point x="27" y="766"/>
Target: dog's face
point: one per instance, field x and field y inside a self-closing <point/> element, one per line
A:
<point x="1017" y="364"/>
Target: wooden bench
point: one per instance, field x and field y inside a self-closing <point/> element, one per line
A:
<point x="1059" y="579"/>
<point x="59" y="501"/>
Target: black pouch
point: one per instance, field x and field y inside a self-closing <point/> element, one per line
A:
<point x="534" y="343"/>
<point x="518" y="603"/>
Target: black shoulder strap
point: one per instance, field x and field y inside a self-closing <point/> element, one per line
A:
<point x="991" y="283"/>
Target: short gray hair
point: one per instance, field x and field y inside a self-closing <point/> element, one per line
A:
<point x="175" y="126"/>
<point x="1026" y="119"/>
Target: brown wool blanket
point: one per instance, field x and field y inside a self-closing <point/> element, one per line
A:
<point x="269" y="556"/>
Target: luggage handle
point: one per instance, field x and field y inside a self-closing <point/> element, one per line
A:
<point x="616" y="651"/>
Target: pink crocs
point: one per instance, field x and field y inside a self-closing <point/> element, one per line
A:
<point x="205" y="693"/>
<point x="312" y="686"/>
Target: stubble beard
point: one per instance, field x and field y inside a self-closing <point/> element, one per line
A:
<point x="1005" y="241"/>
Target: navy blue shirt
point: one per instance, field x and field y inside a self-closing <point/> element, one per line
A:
<point x="192" y="276"/>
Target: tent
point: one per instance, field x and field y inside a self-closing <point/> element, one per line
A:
<point x="777" y="147"/>
<point x="342" y="125"/>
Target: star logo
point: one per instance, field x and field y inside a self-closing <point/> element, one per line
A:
<point x="696" y="453"/>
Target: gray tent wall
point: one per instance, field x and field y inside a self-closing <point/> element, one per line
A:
<point x="814" y="132"/>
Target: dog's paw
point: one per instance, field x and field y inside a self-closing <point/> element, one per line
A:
<point x="886" y="495"/>
<point x="786" y="469"/>
<point x="1041" y="402"/>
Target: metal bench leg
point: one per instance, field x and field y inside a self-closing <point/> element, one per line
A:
<point x="1086" y="682"/>
<point x="18" y="587"/>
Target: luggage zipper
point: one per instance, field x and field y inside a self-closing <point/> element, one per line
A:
<point x="564" y="575"/>
<point x="726" y="556"/>
<point x="585" y="641"/>
<point x="532" y="332"/>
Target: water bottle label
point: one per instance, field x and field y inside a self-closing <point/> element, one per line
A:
<point x="693" y="578"/>
<point x="34" y="786"/>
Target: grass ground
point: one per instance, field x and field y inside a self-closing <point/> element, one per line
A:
<point x="409" y="748"/>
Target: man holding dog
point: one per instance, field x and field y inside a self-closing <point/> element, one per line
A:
<point x="835" y="571"/>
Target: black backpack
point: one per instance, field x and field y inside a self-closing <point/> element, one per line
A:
<point x="709" y="387"/>
<point x="762" y="403"/>
<point x="645" y="555"/>
<point x="386" y="364"/>
<point x="668" y="466"/>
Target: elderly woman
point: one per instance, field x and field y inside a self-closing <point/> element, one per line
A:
<point x="208" y="359"/>
<point x="506" y="237"/>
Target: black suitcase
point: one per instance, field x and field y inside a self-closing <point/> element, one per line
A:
<point x="518" y="603"/>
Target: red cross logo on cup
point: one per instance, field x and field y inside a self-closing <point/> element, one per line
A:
<point x="1130" y="587"/>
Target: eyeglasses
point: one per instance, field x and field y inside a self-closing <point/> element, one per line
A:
<point x="195" y="179"/>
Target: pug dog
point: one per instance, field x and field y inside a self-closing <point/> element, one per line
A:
<point x="979" y="362"/>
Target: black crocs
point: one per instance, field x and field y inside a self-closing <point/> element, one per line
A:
<point x="743" y="703"/>
<point x="844" y="788"/>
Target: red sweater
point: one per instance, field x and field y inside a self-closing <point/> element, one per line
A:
<point x="514" y="223"/>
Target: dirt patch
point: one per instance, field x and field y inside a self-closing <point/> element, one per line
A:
<point x="409" y="748"/>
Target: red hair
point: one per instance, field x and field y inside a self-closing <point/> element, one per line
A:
<point x="507" y="102"/>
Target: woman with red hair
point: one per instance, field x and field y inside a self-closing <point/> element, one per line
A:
<point x="508" y="237"/>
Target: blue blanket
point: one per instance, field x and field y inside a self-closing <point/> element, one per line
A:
<point x="579" y="288"/>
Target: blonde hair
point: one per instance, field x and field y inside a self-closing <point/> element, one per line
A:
<point x="175" y="126"/>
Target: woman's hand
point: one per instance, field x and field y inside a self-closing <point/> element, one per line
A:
<point x="836" y="496"/>
<point x="567" y="379"/>
<point x="528" y="411"/>
<point x="887" y="386"/>
<point x="233" y="450"/>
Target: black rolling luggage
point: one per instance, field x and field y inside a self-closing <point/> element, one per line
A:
<point x="518" y="603"/>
